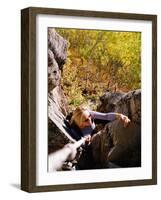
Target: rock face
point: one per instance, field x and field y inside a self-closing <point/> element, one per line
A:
<point x="109" y="101"/>
<point x="54" y="73"/>
<point x="125" y="143"/>
<point x="58" y="45"/>
<point x="58" y="130"/>
<point x="127" y="103"/>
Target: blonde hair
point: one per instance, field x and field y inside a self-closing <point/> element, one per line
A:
<point x="78" y="115"/>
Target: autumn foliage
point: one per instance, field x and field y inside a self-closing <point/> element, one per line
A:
<point x="98" y="61"/>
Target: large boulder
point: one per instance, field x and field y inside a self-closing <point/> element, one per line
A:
<point x="58" y="129"/>
<point x="125" y="149"/>
<point x="58" y="45"/>
<point x="109" y="100"/>
<point x="126" y="103"/>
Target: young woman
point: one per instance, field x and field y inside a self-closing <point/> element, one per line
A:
<point x="83" y="125"/>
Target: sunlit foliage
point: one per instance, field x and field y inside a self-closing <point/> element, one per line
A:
<point x="99" y="61"/>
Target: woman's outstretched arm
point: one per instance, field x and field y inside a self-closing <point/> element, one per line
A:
<point x="104" y="116"/>
<point x="111" y="116"/>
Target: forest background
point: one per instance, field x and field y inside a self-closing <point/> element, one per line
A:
<point x="99" y="61"/>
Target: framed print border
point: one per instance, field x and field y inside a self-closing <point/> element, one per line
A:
<point x="28" y="98"/>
